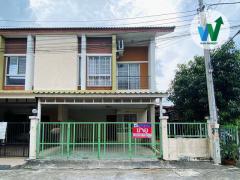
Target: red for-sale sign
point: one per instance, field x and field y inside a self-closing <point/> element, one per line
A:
<point x="142" y="130"/>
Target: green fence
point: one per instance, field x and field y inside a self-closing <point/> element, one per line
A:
<point x="229" y="133"/>
<point x="187" y="130"/>
<point x="95" y="140"/>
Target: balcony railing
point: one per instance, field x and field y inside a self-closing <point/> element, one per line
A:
<point x="132" y="82"/>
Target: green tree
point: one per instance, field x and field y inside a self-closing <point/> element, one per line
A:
<point x="188" y="90"/>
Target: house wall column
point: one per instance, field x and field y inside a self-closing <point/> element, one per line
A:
<point x="33" y="137"/>
<point x="2" y="47"/>
<point x="151" y="65"/>
<point x="164" y="138"/>
<point x="114" y="63"/>
<point x="83" y="62"/>
<point x="29" y="63"/>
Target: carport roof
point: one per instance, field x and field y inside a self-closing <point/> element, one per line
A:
<point x="16" y="94"/>
<point x="77" y="93"/>
<point x="41" y="93"/>
<point x="95" y="92"/>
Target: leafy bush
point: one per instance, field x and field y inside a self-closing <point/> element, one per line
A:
<point x="188" y="90"/>
<point x="229" y="151"/>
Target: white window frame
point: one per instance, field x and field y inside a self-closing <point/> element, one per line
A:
<point x="99" y="75"/>
<point x="7" y="56"/>
<point x="128" y="76"/>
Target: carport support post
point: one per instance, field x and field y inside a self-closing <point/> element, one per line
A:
<point x="33" y="137"/>
<point x="152" y="116"/>
<point x="164" y="137"/>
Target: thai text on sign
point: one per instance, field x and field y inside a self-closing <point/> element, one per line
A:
<point x="142" y="130"/>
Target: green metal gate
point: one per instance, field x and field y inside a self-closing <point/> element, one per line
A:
<point x="95" y="140"/>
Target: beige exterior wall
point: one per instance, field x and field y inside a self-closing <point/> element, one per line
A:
<point x="188" y="147"/>
<point x="56" y="62"/>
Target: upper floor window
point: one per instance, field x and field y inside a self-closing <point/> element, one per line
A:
<point x="15" y="70"/>
<point x="128" y="76"/>
<point x="99" y="71"/>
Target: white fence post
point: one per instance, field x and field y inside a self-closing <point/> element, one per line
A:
<point x="33" y="137"/>
<point x="215" y="154"/>
<point x="164" y="140"/>
<point x="209" y="128"/>
<point x="152" y="116"/>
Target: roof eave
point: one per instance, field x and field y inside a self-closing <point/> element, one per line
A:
<point x="36" y="30"/>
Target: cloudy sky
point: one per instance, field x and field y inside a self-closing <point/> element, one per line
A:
<point x="170" y="51"/>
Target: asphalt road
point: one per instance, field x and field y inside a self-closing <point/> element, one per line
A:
<point x="218" y="173"/>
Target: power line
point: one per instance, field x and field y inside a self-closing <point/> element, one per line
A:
<point x="100" y="46"/>
<point x="237" y="33"/>
<point x="64" y="49"/>
<point x="119" y="33"/>
<point x="219" y="1"/>
<point x="56" y="37"/>
<point x="119" y="19"/>
<point x="166" y="19"/>
<point x="224" y="3"/>
<point x="234" y="36"/>
<point x="106" y="44"/>
<point x="158" y="20"/>
<point x="99" y="20"/>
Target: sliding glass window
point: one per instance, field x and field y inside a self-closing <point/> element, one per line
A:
<point x="15" y="70"/>
<point x="128" y="76"/>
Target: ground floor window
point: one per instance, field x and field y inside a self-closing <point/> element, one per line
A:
<point x="126" y="118"/>
<point x="99" y="71"/>
<point x="128" y="76"/>
<point x="15" y="70"/>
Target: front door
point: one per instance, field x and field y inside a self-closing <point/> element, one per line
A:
<point x="111" y="128"/>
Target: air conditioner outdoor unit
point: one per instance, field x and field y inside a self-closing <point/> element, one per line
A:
<point x="120" y="47"/>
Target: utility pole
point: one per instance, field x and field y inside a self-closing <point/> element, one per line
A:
<point x="211" y="95"/>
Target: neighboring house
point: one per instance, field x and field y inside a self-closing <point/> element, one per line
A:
<point x="169" y="111"/>
<point x="88" y="74"/>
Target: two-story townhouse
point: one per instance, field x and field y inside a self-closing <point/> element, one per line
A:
<point x="88" y="74"/>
